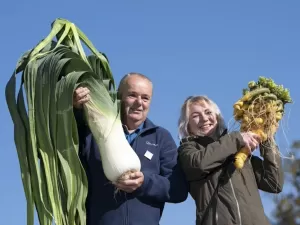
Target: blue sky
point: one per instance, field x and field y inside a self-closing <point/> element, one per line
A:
<point x="185" y="47"/>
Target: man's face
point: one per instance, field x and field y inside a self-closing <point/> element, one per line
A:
<point x="136" y="98"/>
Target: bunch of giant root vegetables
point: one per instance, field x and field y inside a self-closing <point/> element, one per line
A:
<point x="260" y="110"/>
<point x="45" y="129"/>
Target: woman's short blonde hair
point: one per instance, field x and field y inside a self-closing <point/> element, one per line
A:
<point x="184" y="115"/>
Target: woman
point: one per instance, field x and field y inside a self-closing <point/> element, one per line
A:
<point x="224" y="195"/>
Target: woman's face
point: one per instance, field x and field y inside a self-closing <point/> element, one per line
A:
<point x="202" y="119"/>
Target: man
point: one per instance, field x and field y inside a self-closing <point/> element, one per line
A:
<point x="143" y="196"/>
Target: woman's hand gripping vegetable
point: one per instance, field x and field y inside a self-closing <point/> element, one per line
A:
<point x="251" y="141"/>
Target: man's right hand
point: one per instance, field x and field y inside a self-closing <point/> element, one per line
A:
<point x="80" y="96"/>
<point x="251" y="141"/>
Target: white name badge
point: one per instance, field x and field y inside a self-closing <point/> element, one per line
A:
<point x="148" y="155"/>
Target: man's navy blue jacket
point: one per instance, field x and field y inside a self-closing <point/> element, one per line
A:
<point x="163" y="180"/>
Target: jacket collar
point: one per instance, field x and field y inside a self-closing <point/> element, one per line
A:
<point x="137" y="130"/>
<point x="203" y="140"/>
<point x="146" y="125"/>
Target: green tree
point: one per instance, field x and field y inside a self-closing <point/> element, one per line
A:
<point x="287" y="211"/>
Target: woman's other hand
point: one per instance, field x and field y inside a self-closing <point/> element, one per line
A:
<point x="251" y="140"/>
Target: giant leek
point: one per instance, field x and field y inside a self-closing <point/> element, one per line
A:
<point x="45" y="130"/>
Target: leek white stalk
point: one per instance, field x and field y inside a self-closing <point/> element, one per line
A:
<point x="103" y="118"/>
<point x="118" y="158"/>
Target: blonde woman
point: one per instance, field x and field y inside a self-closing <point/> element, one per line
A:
<point x="224" y="195"/>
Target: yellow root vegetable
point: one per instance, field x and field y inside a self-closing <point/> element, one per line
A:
<point x="258" y="120"/>
<point x="278" y="116"/>
<point x="237" y="107"/>
<point x="243" y="154"/>
<point x="241" y="157"/>
<point x="259" y="110"/>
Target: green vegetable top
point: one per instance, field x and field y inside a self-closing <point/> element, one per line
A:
<point x="282" y="93"/>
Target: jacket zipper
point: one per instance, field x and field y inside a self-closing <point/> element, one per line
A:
<point x="127" y="214"/>
<point x="125" y="220"/>
<point x="134" y="142"/>
<point x="237" y="203"/>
